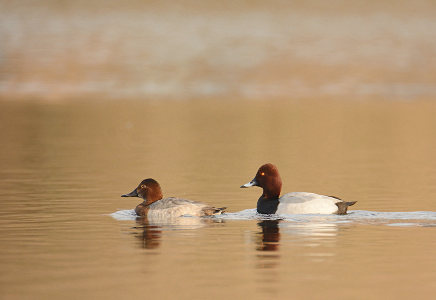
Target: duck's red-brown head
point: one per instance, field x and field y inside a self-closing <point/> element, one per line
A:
<point x="149" y="190"/>
<point x="268" y="178"/>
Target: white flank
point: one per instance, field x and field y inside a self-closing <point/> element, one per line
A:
<point x="306" y="203"/>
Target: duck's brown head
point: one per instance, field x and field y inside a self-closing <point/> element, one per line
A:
<point x="149" y="190"/>
<point x="268" y="178"/>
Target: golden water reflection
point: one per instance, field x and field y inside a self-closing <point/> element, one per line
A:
<point x="148" y="235"/>
<point x="54" y="50"/>
<point x="269" y="238"/>
<point x="64" y="166"/>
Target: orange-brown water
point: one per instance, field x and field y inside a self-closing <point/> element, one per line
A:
<point x="250" y="49"/>
<point x="97" y="95"/>
<point x="65" y="165"/>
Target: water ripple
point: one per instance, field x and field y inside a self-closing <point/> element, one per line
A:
<point x="414" y="218"/>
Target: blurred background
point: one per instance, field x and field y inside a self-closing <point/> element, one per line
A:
<point x="98" y="95"/>
<point x="195" y="49"/>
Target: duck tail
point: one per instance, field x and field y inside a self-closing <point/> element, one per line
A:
<point x="343" y="206"/>
<point x="210" y="211"/>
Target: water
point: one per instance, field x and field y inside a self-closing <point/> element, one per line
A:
<point x="161" y="49"/>
<point x="66" y="232"/>
<point x="96" y="96"/>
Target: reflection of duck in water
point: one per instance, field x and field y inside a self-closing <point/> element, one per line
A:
<point x="151" y="229"/>
<point x="155" y="206"/>
<point x="270" y="235"/>
<point x="317" y="229"/>
<point x="151" y="234"/>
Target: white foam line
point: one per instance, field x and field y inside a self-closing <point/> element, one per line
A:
<point x="355" y="216"/>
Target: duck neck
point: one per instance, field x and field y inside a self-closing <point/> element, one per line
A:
<point x="272" y="191"/>
<point x="151" y="198"/>
<point x="267" y="205"/>
<point x="149" y="201"/>
<point x="269" y="201"/>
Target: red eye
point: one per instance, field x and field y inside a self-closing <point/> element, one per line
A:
<point x="262" y="173"/>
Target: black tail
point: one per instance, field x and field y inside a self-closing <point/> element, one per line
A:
<point x="343" y="207"/>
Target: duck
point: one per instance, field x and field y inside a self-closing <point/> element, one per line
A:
<point x="155" y="206"/>
<point x="270" y="202"/>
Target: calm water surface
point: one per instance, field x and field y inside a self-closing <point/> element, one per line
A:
<point x="249" y="49"/>
<point x="65" y="165"/>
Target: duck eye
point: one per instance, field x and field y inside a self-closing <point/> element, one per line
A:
<point x="143" y="186"/>
<point x="262" y="173"/>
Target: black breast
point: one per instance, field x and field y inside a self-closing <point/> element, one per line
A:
<point x="267" y="206"/>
